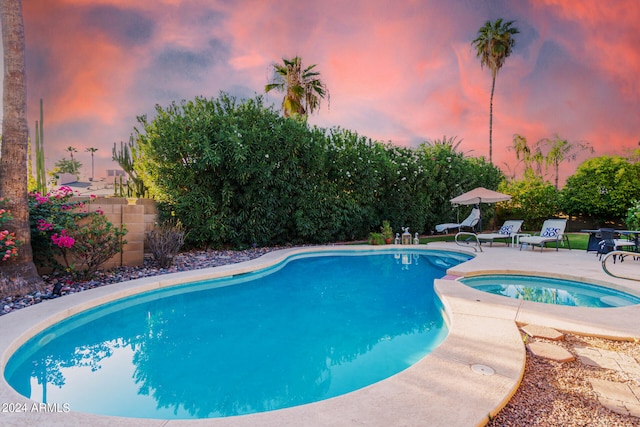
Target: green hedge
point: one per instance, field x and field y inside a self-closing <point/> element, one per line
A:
<point x="237" y="173"/>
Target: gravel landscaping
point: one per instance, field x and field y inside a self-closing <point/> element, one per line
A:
<point x="559" y="394"/>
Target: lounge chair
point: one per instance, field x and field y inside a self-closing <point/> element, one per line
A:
<point x="470" y="222"/>
<point x="508" y="230"/>
<point x="552" y="231"/>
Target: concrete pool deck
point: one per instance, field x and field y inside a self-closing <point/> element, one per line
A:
<point x="468" y="378"/>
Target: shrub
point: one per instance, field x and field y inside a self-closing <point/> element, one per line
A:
<point x="95" y="240"/>
<point x="633" y="216"/>
<point x="376" y="238"/>
<point x="532" y="199"/>
<point x="165" y="241"/>
<point x="52" y="214"/>
<point x="60" y="230"/>
<point x="602" y="188"/>
<point x="238" y="174"/>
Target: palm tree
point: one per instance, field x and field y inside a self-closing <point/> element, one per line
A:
<point x="91" y="150"/>
<point x="72" y="150"/>
<point x="302" y="88"/>
<point x="493" y="46"/>
<point x="560" y="150"/>
<point x="13" y="157"/>
<point x="525" y="155"/>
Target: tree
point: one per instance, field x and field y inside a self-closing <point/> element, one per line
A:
<point x="493" y="46"/>
<point x="603" y="188"/>
<point x="92" y="151"/>
<point x="560" y="150"/>
<point x="527" y="156"/>
<point x="65" y="166"/>
<point x="72" y="150"/>
<point x="13" y="157"/>
<point x="450" y="172"/>
<point x="532" y="199"/>
<point x="302" y="88"/>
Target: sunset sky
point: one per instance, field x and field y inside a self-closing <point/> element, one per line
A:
<point x="400" y="71"/>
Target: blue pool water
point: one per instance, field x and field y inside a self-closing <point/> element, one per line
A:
<point x="313" y="327"/>
<point x="551" y="291"/>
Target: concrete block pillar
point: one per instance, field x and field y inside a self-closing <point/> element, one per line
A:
<point x="133" y="251"/>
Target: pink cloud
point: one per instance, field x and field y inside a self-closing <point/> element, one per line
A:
<point x="402" y="71"/>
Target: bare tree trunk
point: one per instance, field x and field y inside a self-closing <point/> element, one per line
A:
<point x="13" y="155"/>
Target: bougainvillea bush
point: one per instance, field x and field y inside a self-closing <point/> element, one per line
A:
<point x="8" y="242"/>
<point x="66" y="237"/>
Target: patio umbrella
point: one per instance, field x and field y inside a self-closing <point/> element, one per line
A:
<point x="480" y="195"/>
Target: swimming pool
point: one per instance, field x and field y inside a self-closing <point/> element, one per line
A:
<point x="310" y="328"/>
<point x="551" y="290"/>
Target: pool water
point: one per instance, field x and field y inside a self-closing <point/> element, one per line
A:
<point x="313" y="327"/>
<point x="551" y="291"/>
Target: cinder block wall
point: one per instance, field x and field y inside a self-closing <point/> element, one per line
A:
<point x="138" y="215"/>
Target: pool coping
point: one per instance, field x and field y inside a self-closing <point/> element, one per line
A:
<point x="463" y="382"/>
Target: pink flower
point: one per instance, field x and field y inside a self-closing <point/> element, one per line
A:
<point x="41" y="199"/>
<point x="44" y="225"/>
<point x="62" y="240"/>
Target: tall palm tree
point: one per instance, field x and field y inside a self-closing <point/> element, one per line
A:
<point x="13" y="155"/>
<point x="493" y="46"/>
<point x="302" y="88"/>
<point x="91" y="150"/>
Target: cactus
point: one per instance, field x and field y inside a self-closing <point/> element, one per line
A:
<point x="126" y="158"/>
<point x="41" y="181"/>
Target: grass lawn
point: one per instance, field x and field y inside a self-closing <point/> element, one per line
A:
<point x="576" y="240"/>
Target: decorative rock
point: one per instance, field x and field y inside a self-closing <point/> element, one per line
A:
<point x="550" y="351"/>
<point x="192" y="260"/>
<point x="537" y="331"/>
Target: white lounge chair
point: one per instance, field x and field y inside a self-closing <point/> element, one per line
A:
<point x="552" y="231"/>
<point x="509" y="229"/>
<point x="470" y="222"/>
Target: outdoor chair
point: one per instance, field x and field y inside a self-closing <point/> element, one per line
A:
<point x="552" y="231"/>
<point x="469" y="223"/>
<point x="507" y="232"/>
<point x="609" y="243"/>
